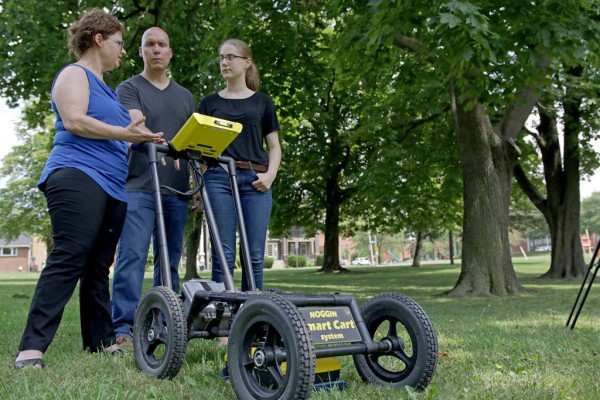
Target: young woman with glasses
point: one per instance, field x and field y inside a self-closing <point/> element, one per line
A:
<point x="257" y="153"/>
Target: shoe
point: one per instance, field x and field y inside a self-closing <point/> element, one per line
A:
<point x="125" y="342"/>
<point x="36" y="363"/>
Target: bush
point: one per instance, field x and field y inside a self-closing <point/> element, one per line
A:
<point x="319" y="260"/>
<point x="268" y="262"/>
<point x="291" y="262"/>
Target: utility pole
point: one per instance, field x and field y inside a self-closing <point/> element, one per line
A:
<point x="296" y="251"/>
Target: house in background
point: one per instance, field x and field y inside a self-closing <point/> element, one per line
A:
<point x="26" y="253"/>
<point x="277" y="248"/>
<point x="281" y="248"/>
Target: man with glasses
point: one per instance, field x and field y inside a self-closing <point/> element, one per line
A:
<point x="166" y="106"/>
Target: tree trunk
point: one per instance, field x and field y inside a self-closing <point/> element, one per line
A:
<point x="561" y="211"/>
<point x="486" y="264"/>
<point x="192" y="242"/>
<point x="451" y="247"/>
<point x="567" y="253"/>
<point x="418" y="250"/>
<point x="331" y="257"/>
<point x="488" y="157"/>
<point x="561" y="207"/>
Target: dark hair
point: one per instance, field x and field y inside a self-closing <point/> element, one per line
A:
<point x="82" y="32"/>
<point x="252" y="77"/>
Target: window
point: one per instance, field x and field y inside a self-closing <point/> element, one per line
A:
<point x="8" y="251"/>
<point x="297" y="232"/>
<point x="291" y="247"/>
<point x="299" y="248"/>
<point x="303" y="249"/>
<point x="272" y="250"/>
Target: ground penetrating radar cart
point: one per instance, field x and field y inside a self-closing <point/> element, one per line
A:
<point x="276" y="339"/>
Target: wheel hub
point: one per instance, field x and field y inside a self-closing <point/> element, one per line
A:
<point x="260" y="359"/>
<point x="151" y="335"/>
<point x="394" y="343"/>
<point x="264" y="357"/>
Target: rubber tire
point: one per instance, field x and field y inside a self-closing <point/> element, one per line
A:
<point x="160" y="310"/>
<point x="267" y="322"/>
<point x="419" y="366"/>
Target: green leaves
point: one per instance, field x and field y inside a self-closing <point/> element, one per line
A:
<point x="590" y="217"/>
<point x="450" y="19"/>
<point x="361" y="88"/>
<point x="22" y="205"/>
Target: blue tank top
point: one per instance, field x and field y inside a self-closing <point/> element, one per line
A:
<point x="105" y="161"/>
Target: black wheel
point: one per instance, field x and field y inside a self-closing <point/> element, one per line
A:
<point x="399" y="320"/>
<point x="270" y="352"/>
<point x="159" y="333"/>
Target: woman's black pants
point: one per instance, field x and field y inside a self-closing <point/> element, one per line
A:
<point x="86" y="225"/>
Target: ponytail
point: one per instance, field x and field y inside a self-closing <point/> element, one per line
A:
<point x="252" y="78"/>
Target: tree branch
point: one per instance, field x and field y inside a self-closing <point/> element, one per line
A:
<point x="412" y="125"/>
<point x="515" y="117"/>
<point x="530" y="191"/>
<point x="531" y="132"/>
<point x="138" y="10"/>
<point x="405" y="42"/>
<point x="411" y="44"/>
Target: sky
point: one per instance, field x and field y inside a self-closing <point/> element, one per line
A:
<point x="9" y="118"/>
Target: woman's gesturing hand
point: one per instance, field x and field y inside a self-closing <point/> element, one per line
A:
<point x="136" y="132"/>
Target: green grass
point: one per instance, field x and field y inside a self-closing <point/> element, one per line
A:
<point x="491" y="348"/>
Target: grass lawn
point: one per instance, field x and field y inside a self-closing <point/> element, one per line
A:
<point x="490" y="348"/>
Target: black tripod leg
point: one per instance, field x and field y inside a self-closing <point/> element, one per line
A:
<point x="212" y="228"/>
<point x="163" y="251"/>
<point x="247" y="271"/>
<point x="587" y="274"/>
<point x="584" y="297"/>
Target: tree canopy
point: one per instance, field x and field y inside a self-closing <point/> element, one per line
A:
<point x="394" y="115"/>
<point x="22" y="205"/>
<point x="498" y="63"/>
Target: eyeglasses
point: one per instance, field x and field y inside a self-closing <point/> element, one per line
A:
<point x="121" y="43"/>
<point x="230" y="57"/>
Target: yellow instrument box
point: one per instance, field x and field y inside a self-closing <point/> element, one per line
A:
<point x="205" y="134"/>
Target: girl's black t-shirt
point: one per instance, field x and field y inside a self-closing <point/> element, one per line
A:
<point x="258" y="118"/>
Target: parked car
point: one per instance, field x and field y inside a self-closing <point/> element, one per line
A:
<point x="543" y="248"/>
<point x="361" y="261"/>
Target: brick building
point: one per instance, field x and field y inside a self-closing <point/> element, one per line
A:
<point x="26" y="253"/>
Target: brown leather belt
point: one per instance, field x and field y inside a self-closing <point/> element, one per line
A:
<point x="250" y="165"/>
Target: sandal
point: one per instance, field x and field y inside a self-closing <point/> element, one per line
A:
<point x="36" y="363"/>
<point x="114" y="350"/>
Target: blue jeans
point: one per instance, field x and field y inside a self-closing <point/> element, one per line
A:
<point x="256" y="207"/>
<point x="133" y="253"/>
